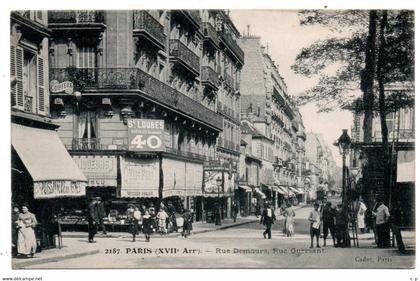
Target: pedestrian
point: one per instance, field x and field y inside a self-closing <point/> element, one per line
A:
<point x="135" y="222"/>
<point x="267" y="218"/>
<point x="15" y="228"/>
<point x="162" y="216"/>
<point x="153" y="220"/>
<point x="315" y="220"/>
<point x="187" y="224"/>
<point x="93" y="220"/>
<point x="147" y="225"/>
<point x="341" y="225"/>
<point x="289" y="214"/>
<point x="172" y="226"/>
<point x="235" y="210"/>
<point x="327" y="217"/>
<point x="361" y="216"/>
<point x="102" y="214"/>
<point x="26" y="242"/>
<point x="382" y="226"/>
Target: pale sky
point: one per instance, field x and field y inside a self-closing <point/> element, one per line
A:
<point x="280" y="29"/>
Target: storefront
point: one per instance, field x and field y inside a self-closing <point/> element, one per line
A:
<point x="244" y="196"/>
<point x="45" y="177"/>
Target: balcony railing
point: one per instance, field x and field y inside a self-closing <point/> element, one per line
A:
<point x="91" y="79"/>
<point x="28" y="104"/>
<point x="232" y="46"/>
<point x="193" y="16"/>
<point x="186" y="154"/>
<point x="182" y="54"/>
<point x="209" y="77"/>
<point x="146" y="25"/>
<point x="229" y="112"/>
<point x="210" y="33"/>
<point x="227" y="144"/>
<point x="86" y="144"/>
<point x="76" y="17"/>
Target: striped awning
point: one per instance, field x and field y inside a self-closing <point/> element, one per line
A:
<point x="246" y="188"/>
<point x="259" y="192"/>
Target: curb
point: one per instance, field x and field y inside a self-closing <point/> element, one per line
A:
<point x="222" y="227"/>
<point x="22" y="265"/>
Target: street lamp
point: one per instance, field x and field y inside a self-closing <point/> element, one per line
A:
<point x="218" y="220"/>
<point x="343" y="143"/>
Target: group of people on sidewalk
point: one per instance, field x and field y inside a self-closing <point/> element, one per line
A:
<point x="333" y="221"/>
<point x="141" y="219"/>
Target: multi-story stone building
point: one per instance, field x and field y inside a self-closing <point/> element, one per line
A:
<point x="149" y="65"/>
<point x="41" y="166"/>
<point x="266" y="104"/>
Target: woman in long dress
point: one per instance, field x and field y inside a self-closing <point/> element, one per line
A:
<point x="289" y="213"/>
<point x="26" y="245"/>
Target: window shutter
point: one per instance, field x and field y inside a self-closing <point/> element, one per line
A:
<point x="41" y="87"/>
<point x="19" y="78"/>
<point x="13" y="73"/>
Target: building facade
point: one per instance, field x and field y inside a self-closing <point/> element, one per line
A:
<point x="42" y="169"/>
<point x="160" y="67"/>
<point x="266" y="104"/>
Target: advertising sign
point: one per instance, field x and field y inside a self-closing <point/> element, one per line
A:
<point x="57" y="87"/>
<point x="58" y="189"/>
<point x="406" y="167"/>
<point x="213" y="183"/>
<point x="139" y="177"/>
<point x="146" y="135"/>
<point x="99" y="170"/>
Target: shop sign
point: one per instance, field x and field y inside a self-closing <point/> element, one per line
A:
<point x="58" y="189"/>
<point x="139" y="177"/>
<point x="57" y="87"/>
<point x="146" y="135"/>
<point x="99" y="170"/>
<point x="213" y="183"/>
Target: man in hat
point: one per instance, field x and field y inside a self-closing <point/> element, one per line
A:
<point x="341" y="224"/>
<point x="93" y="219"/>
<point x="267" y="218"/>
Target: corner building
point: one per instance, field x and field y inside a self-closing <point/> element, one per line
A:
<point x="149" y="65"/>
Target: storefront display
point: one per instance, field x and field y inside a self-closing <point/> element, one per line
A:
<point x="139" y="177"/>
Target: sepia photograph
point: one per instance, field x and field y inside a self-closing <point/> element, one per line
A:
<point x="212" y="138"/>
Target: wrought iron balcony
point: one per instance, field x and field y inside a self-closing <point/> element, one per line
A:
<point x="209" y="77"/>
<point x="112" y="79"/>
<point x="186" y="154"/>
<point x="86" y="144"/>
<point x="232" y="46"/>
<point x="182" y="54"/>
<point x="191" y="16"/>
<point x="210" y="34"/>
<point x="85" y="17"/>
<point x="28" y="104"/>
<point x="147" y="26"/>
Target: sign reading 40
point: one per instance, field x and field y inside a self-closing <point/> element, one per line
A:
<point x="145" y="135"/>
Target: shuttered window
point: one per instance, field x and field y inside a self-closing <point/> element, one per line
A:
<point x="13" y="73"/>
<point x="19" y="77"/>
<point x="41" y="86"/>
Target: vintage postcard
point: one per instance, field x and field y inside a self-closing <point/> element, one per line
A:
<point x="212" y="138"/>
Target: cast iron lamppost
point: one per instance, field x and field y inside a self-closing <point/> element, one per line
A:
<point x="343" y="143"/>
<point x="218" y="220"/>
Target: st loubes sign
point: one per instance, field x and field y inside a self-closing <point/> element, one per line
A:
<point x="146" y="135"/>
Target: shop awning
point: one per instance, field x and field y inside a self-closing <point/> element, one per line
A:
<point x="52" y="169"/>
<point x="259" y="192"/>
<point x="278" y="190"/>
<point x="286" y="191"/>
<point x="295" y="190"/>
<point x="246" y="188"/>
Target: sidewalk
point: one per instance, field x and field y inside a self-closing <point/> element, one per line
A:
<point x="76" y="244"/>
